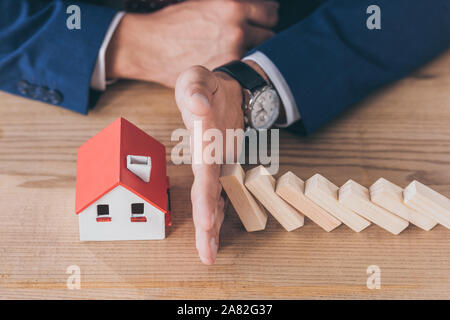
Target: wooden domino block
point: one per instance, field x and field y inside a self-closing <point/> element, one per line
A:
<point x="250" y="212"/>
<point x="426" y="200"/>
<point x="324" y="193"/>
<point x="292" y="189"/>
<point x="356" y="197"/>
<point x="390" y="197"/>
<point x="262" y="185"/>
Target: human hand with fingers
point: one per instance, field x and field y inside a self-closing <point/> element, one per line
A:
<point x="215" y="100"/>
<point x="158" y="46"/>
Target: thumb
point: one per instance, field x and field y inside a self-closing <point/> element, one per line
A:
<point x="194" y="90"/>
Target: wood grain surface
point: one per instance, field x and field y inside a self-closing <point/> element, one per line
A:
<point x="400" y="133"/>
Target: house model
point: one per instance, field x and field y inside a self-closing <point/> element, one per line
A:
<point x="122" y="190"/>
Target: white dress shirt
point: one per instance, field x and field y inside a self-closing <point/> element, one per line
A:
<point x="99" y="81"/>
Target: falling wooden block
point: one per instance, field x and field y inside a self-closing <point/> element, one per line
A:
<point x="390" y="197"/>
<point x="250" y="212"/>
<point x="292" y="189"/>
<point x="424" y="199"/>
<point x="262" y="185"/>
<point x="324" y="193"/>
<point x="356" y="197"/>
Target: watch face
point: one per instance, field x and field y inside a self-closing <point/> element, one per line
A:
<point x="265" y="108"/>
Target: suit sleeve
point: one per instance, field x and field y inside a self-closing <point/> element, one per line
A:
<point x="291" y="12"/>
<point x="41" y="59"/>
<point x="331" y="60"/>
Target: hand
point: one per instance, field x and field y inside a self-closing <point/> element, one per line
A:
<point x="216" y="100"/>
<point x="158" y="46"/>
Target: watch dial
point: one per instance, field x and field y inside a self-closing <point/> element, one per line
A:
<point x="265" y="109"/>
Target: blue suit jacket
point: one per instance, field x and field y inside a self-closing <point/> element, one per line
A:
<point x="330" y="60"/>
<point x="40" y="58"/>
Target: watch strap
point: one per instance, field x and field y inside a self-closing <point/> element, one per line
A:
<point x="243" y="73"/>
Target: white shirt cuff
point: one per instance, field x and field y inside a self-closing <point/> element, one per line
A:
<point x="98" y="78"/>
<point x="280" y="84"/>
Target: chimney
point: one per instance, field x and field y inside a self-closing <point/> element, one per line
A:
<point x="140" y="166"/>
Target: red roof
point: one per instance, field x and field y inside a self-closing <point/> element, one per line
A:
<point x="102" y="166"/>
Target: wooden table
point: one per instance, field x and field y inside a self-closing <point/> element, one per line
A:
<point x="401" y="133"/>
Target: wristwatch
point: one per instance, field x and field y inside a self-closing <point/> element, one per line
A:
<point x="261" y="103"/>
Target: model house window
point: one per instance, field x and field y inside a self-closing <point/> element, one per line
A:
<point x="103" y="210"/>
<point x="137" y="212"/>
<point x="103" y="213"/>
<point x="137" y="208"/>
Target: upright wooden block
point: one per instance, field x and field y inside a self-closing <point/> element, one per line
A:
<point x="324" y="193"/>
<point x="390" y="197"/>
<point x="250" y="212"/>
<point x="428" y="201"/>
<point x="262" y="185"/>
<point x="356" y="197"/>
<point x="292" y="189"/>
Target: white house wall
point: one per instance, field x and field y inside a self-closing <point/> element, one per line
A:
<point x="120" y="227"/>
